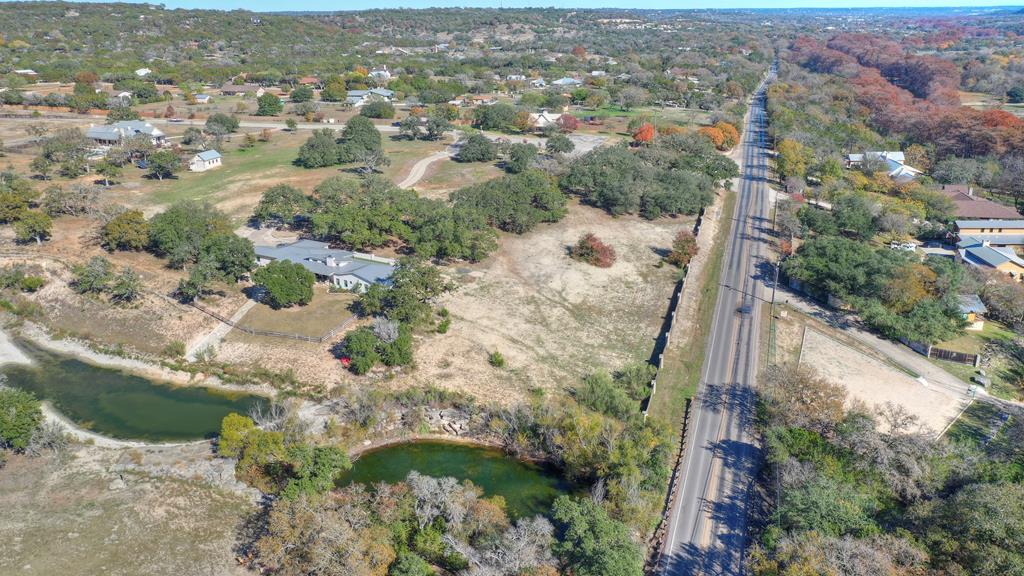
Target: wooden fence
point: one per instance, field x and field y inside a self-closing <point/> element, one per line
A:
<point x="954" y="356"/>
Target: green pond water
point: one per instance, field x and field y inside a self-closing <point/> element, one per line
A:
<point x="122" y="405"/>
<point x="528" y="489"/>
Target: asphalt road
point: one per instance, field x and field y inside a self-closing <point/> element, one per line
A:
<point x="707" y="532"/>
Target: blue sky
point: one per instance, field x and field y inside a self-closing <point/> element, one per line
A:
<point x="279" y="5"/>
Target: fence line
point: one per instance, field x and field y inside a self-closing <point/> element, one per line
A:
<point x="252" y="331"/>
<point x="954" y="356"/>
<point x="316" y="339"/>
<point x="662" y="342"/>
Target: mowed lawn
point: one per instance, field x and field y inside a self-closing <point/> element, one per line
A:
<point x="247" y="173"/>
<point x="326" y="311"/>
<point x="240" y="165"/>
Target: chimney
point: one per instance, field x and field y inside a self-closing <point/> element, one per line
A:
<point x="986" y="243"/>
<point x="331" y="261"/>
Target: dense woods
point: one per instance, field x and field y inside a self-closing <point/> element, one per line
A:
<point x="852" y="491"/>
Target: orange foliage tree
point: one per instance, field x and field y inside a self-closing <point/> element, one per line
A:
<point x="731" y="134"/>
<point x="713" y="134"/>
<point x="644" y="134"/>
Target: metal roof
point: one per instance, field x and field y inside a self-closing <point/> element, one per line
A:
<point x="989" y="256"/>
<point x="208" y="155"/>
<point x="318" y="256"/>
<point x="992" y="223"/>
<point x="972" y="303"/>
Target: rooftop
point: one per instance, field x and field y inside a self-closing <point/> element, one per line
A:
<point x="322" y="260"/>
<point x="971" y="303"/>
<point x="208" y="155"/>
<point x="991" y="223"/>
<point x="969" y="206"/>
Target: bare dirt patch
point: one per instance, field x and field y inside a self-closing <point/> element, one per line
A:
<point x="875" y="383"/>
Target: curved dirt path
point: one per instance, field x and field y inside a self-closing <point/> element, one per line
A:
<point x="420" y="167"/>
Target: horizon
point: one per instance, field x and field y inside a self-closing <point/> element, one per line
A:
<point x="319" y="6"/>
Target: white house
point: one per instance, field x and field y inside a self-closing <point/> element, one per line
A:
<point x="567" y="82"/>
<point x="110" y="134"/>
<point x="538" y="83"/>
<point x="895" y="162"/>
<point x="143" y="72"/>
<point x="544" y="118"/>
<point x="515" y="78"/>
<point x="203" y="98"/>
<point x="205" y="160"/>
<point x="230" y="89"/>
<point x="26" y="72"/>
<point x="380" y="74"/>
<point x="357" y="98"/>
<point x="349" y="270"/>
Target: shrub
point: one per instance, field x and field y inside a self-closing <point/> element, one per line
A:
<point x="286" y="283"/>
<point x="94" y="277"/>
<point x="378" y="110"/>
<point x="360" y="347"/>
<point x="477" y="148"/>
<point x="496" y="359"/>
<point x="684" y="248"/>
<point x="593" y="251"/>
<point x="126" y="231"/>
<point x="31" y="283"/>
<point x="15" y="277"/>
<point x="20" y="416"/>
<point x="175" y="349"/>
<point x="601" y="393"/>
<point x="223" y="122"/>
<point x="559" y="144"/>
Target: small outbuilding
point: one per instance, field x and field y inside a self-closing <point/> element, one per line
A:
<point x="972" y="308"/>
<point x="205" y="160"/>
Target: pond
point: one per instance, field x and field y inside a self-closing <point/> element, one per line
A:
<point x="122" y="405"/>
<point x="528" y="488"/>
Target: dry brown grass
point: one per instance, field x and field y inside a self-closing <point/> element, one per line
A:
<point x="552" y="318"/>
<point x="71" y="520"/>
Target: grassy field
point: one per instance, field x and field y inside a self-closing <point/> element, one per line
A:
<point x="326" y="311"/>
<point x="238" y="164"/>
<point x="976" y="423"/>
<point x="246" y="173"/>
<point x="1005" y="366"/>
<point x="984" y="101"/>
<point x="973" y="341"/>
<point x="447" y="175"/>
<point x="679" y="378"/>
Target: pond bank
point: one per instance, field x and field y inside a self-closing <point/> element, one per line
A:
<point x="147" y="369"/>
<point x="528" y="488"/>
<point x="9" y="352"/>
<point x="120" y="406"/>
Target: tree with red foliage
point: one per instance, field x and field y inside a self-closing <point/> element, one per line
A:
<point x="593" y="251"/>
<point x="644" y="134"/>
<point x="684" y="248"/>
<point x="568" y="123"/>
<point x="579" y="52"/>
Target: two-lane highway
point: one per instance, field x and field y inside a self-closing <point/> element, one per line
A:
<point x="707" y="532"/>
